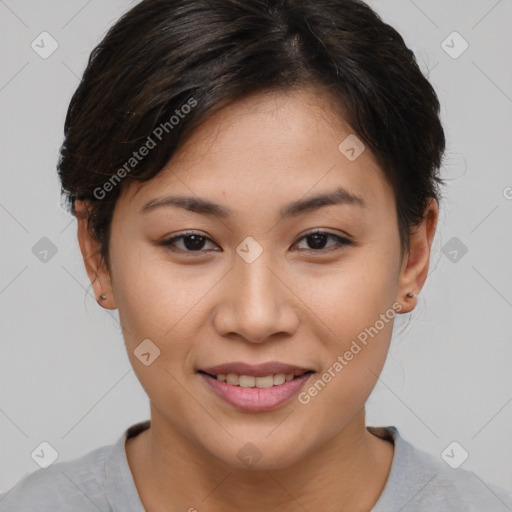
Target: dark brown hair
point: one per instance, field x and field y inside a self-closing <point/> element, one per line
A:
<point x="166" y="65"/>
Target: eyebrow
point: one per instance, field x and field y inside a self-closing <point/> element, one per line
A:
<point x="202" y="206"/>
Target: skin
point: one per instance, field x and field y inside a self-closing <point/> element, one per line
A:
<point x="291" y="304"/>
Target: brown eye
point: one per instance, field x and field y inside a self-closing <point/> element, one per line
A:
<point x="317" y="241"/>
<point x="188" y="242"/>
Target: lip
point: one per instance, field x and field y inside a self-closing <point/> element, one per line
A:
<point x="256" y="399"/>
<point x="255" y="370"/>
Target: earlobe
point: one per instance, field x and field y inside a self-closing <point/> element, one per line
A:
<point x="416" y="262"/>
<point x="94" y="263"/>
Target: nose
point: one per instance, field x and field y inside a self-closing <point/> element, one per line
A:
<point x="256" y="303"/>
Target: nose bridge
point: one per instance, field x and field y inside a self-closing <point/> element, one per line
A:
<point x="257" y="289"/>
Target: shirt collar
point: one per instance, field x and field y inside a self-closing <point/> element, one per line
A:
<point x="120" y="489"/>
<point x="411" y="472"/>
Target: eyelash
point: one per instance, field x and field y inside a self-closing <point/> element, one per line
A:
<point x="341" y="241"/>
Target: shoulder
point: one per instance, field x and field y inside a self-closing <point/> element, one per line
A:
<point x="463" y="490"/>
<point x="420" y="482"/>
<point x="70" y="485"/>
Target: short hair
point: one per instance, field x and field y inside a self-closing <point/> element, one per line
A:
<point x="167" y="65"/>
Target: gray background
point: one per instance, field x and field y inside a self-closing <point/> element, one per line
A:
<point x="65" y="376"/>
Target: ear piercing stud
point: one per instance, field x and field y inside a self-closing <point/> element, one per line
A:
<point x="103" y="297"/>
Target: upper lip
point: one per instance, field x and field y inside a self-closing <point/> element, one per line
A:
<point x="255" y="370"/>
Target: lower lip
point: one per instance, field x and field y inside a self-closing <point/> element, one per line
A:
<point x="256" y="399"/>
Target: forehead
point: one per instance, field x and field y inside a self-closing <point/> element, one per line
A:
<point x="268" y="148"/>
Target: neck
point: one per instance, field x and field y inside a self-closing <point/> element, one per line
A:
<point x="348" y="473"/>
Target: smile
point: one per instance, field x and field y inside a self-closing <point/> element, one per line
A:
<point x="256" y="393"/>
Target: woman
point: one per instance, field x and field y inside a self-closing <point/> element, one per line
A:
<point x="256" y="188"/>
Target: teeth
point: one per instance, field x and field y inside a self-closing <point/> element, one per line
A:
<point x="264" y="382"/>
<point x="280" y="378"/>
<point x="248" y="381"/>
<point x="232" y="379"/>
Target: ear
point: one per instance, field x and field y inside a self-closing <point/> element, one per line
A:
<point x="416" y="261"/>
<point x="95" y="265"/>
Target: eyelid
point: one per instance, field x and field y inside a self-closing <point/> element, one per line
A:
<point x="314" y="231"/>
<point x="342" y="240"/>
<point x="322" y="231"/>
<point x="168" y="242"/>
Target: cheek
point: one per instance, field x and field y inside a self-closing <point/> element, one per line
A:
<point x="158" y="305"/>
<point x="358" y="314"/>
<point x="154" y="302"/>
<point x="357" y="306"/>
<point x="360" y="318"/>
<point x="352" y="295"/>
<point x="152" y="293"/>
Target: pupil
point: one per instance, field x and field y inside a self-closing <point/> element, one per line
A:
<point x="196" y="242"/>
<point x="193" y="242"/>
<point x="318" y="238"/>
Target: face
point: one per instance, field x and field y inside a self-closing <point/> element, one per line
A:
<point x="250" y="282"/>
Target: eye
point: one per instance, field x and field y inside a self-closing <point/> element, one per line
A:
<point x="317" y="241"/>
<point x="190" y="242"/>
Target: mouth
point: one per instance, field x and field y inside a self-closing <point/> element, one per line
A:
<point x="252" y="388"/>
<point x="260" y="382"/>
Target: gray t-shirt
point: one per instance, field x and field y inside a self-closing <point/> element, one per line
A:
<point x="101" y="480"/>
